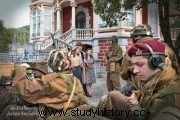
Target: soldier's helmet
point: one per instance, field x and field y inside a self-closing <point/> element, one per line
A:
<point x="143" y="30"/>
<point x="58" y="60"/>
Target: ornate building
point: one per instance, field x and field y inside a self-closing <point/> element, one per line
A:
<point x="75" y="20"/>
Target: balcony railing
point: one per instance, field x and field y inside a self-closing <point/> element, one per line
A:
<point x="77" y="34"/>
<point x="67" y="37"/>
<point x="84" y="34"/>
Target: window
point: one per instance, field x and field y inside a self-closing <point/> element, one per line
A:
<point x="102" y="24"/>
<point x="81" y="20"/>
<point x="47" y="22"/>
<point x="36" y="23"/>
<point x="129" y="21"/>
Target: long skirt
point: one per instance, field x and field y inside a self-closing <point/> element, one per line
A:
<point x="90" y="76"/>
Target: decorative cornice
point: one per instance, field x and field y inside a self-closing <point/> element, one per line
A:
<point x="57" y="7"/>
<point x="73" y="4"/>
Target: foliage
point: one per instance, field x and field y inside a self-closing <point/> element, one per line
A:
<point x="108" y="13"/>
<point x="10" y="35"/>
<point x="22" y="34"/>
<point x="5" y="37"/>
<point x="111" y="10"/>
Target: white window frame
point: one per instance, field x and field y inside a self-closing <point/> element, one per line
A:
<point x="102" y="24"/>
<point x="36" y="22"/>
<point x="127" y="22"/>
<point x="49" y="22"/>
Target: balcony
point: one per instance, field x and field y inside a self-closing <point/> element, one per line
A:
<point x="65" y="38"/>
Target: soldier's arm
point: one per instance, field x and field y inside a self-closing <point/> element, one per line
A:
<point x="24" y="87"/>
<point x="124" y="71"/>
<point x="173" y="58"/>
<point x="117" y="55"/>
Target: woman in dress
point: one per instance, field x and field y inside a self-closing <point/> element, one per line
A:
<point x="89" y="63"/>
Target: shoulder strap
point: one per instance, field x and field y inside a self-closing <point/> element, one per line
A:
<point x="71" y="95"/>
<point x="163" y="92"/>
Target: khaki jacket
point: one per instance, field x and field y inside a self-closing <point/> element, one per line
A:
<point x="125" y="73"/>
<point x="52" y="90"/>
<point x="162" y="80"/>
<point x="171" y="60"/>
<point x="172" y="57"/>
<point x="113" y="64"/>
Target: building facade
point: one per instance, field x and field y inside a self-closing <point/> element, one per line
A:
<point x="75" y="20"/>
<point x="69" y="21"/>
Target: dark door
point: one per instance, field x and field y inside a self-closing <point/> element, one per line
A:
<point x="81" y="20"/>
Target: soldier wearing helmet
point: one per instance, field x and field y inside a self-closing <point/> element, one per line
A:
<point x="59" y="90"/>
<point x="157" y="88"/>
<point x="141" y="33"/>
<point x="113" y="57"/>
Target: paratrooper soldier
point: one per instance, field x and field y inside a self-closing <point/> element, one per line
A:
<point x="158" y="86"/>
<point x="113" y="65"/>
<point x="59" y="90"/>
<point x="141" y="33"/>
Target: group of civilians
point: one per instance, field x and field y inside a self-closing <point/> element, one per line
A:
<point x="83" y="67"/>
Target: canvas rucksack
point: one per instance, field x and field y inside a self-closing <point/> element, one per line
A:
<point x="168" y="113"/>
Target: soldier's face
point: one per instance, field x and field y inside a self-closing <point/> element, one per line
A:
<point x="141" y="68"/>
<point x="136" y="38"/>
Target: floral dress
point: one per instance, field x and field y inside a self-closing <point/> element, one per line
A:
<point x="89" y="71"/>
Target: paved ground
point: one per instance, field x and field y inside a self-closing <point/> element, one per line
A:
<point x="100" y="89"/>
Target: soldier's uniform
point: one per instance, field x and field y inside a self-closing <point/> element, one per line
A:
<point x="168" y="78"/>
<point x="145" y="32"/>
<point x="113" y="66"/>
<point x="49" y="89"/>
<point x="160" y="91"/>
<point x="59" y="90"/>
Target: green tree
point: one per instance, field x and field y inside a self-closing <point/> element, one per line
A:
<point x="4" y="37"/>
<point x="110" y="10"/>
<point x="10" y="35"/>
<point x="22" y="34"/>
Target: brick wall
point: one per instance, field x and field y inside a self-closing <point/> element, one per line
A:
<point x="104" y="45"/>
